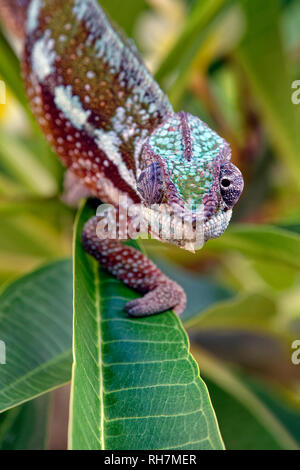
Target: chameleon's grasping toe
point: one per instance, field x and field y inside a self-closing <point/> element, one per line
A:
<point x="116" y="131"/>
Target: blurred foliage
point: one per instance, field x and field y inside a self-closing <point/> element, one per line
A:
<point x="232" y="63"/>
<point x="25" y="427"/>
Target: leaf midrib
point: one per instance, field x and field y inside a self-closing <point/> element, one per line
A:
<point x="100" y="342"/>
<point x="99" y="348"/>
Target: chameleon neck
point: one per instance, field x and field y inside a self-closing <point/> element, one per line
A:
<point x="14" y="15"/>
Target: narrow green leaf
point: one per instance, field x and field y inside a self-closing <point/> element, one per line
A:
<point x="10" y="71"/>
<point x="124" y="13"/>
<point x="9" y="188"/>
<point x="247" y="421"/>
<point x="135" y="384"/>
<point x="262" y="55"/>
<point x="275" y="275"/>
<point x="188" y="42"/>
<point x="215" y="41"/>
<point x="19" y="161"/>
<point x="287" y="411"/>
<point x="25" y="427"/>
<point x="265" y="242"/>
<point x="29" y="235"/>
<point x="14" y="266"/>
<point x="248" y="311"/>
<point x="35" y="325"/>
<point x="242" y="430"/>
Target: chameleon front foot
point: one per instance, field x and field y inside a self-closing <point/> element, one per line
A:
<point x="136" y="271"/>
<point x="166" y="296"/>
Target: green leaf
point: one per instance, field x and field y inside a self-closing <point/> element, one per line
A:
<point x="124" y="13"/>
<point x="25" y="167"/>
<point x="275" y="275"/>
<point x="35" y="325"/>
<point x="25" y="427"/>
<point x="10" y="188"/>
<point x="201" y="291"/>
<point x="29" y="235"/>
<point x="189" y="41"/>
<point x="262" y="56"/>
<point x="10" y="71"/>
<point x="261" y="242"/>
<point x="135" y="384"/>
<point x="217" y="38"/>
<point x="241" y="429"/>
<point x="287" y="411"/>
<point x="246" y="421"/>
<point x="250" y="311"/>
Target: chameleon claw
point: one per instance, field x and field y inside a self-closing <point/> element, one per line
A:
<point x="166" y="296"/>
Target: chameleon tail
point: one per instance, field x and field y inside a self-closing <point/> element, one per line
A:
<point x="13" y="14"/>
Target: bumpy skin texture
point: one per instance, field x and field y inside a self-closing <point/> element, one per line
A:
<point x="117" y="133"/>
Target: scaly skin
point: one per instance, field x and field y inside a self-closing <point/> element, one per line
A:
<point x="118" y="135"/>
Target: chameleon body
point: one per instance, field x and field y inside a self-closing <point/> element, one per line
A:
<point x="118" y="135"/>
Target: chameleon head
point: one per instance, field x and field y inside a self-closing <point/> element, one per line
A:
<point x="188" y="171"/>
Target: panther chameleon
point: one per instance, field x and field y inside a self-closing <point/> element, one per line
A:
<point x="118" y="135"/>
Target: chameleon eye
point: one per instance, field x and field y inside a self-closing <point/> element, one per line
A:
<point x="225" y="182"/>
<point x="151" y="184"/>
<point x="231" y="184"/>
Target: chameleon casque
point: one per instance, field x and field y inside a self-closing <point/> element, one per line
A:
<point x="117" y="134"/>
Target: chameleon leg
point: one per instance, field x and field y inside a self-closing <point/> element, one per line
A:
<point x="74" y="190"/>
<point x="136" y="271"/>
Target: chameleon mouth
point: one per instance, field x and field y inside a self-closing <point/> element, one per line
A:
<point x="192" y="236"/>
<point x="216" y="225"/>
<point x="212" y="228"/>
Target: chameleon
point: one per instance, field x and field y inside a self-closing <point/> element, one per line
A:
<point x="119" y="137"/>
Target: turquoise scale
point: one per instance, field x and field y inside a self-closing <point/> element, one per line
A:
<point x="192" y="178"/>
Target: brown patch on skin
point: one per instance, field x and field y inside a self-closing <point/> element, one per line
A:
<point x="13" y="14"/>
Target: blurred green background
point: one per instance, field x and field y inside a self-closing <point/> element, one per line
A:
<point x="232" y="63"/>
